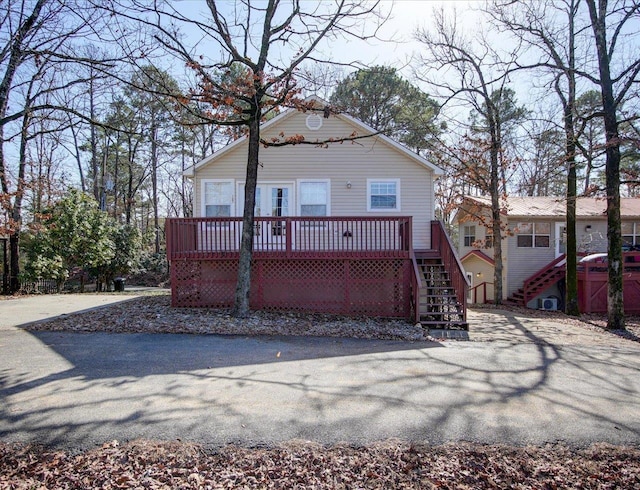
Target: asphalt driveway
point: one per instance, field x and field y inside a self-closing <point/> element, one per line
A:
<point x="525" y="387"/>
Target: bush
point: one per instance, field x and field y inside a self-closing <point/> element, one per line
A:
<point x="153" y="270"/>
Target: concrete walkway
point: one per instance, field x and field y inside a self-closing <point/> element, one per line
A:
<point x="79" y="390"/>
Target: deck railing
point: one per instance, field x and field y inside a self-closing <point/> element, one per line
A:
<point x="291" y="237"/>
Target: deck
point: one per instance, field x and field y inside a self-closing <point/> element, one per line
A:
<point x="359" y="266"/>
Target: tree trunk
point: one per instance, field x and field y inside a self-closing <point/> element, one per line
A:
<point x="494" y="184"/>
<point x="571" y="246"/>
<point x="154" y="181"/>
<point x="243" y="288"/>
<point x="615" y="299"/>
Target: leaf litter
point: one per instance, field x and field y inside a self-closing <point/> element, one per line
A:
<point x="299" y="464"/>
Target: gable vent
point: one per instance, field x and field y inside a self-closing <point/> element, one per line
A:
<point x="314" y="122"/>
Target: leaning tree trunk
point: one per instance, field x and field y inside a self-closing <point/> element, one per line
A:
<point x="243" y="288"/>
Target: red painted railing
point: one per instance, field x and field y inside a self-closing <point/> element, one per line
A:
<point x="533" y="283"/>
<point x="291" y="237"/>
<point x="474" y="292"/>
<point x="441" y="242"/>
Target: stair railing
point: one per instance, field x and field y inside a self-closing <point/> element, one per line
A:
<point x="416" y="285"/>
<point x="441" y="241"/>
<point x="528" y="288"/>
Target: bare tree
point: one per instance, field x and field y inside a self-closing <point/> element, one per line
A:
<point x="535" y="23"/>
<point x="35" y="37"/>
<point x="261" y="46"/>
<point x="618" y="69"/>
<point x="478" y="82"/>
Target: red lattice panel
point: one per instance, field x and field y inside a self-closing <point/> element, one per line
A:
<point x="302" y="285"/>
<point x="370" y="287"/>
<point x="203" y="283"/>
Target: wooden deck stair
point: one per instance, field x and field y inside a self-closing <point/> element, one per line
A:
<point x="539" y="282"/>
<point x="438" y="304"/>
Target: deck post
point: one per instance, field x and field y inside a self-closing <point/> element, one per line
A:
<point x="288" y="236"/>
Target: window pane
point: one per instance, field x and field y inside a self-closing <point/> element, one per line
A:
<point x="525" y="228"/>
<point x="313" y="193"/>
<point x="217" y="211"/>
<point x="383" y="188"/>
<point x="543" y="228"/>
<point x="383" y="202"/>
<point x="217" y="192"/>
<point x="525" y="241"/>
<point x="542" y="241"/>
<point x="627" y="228"/>
<point x="313" y="210"/>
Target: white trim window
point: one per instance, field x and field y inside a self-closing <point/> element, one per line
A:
<point x="383" y="195"/>
<point x="217" y="198"/>
<point x="630" y="234"/>
<point x="469" y="233"/>
<point x="533" y="235"/>
<point x="313" y="197"/>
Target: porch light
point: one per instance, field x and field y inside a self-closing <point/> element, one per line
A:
<point x="478" y="274"/>
<point x="348" y="184"/>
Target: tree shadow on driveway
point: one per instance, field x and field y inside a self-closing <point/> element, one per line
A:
<point x="88" y="388"/>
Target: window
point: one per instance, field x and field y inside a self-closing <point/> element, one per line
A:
<point x="469" y="235"/>
<point x="314" y="198"/>
<point x="488" y="237"/>
<point x="533" y="235"/>
<point x="630" y="234"/>
<point x="217" y="198"/>
<point x="383" y="195"/>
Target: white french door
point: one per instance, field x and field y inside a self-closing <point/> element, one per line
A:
<point x="273" y="199"/>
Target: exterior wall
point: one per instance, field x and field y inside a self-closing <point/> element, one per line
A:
<point x="344" y="163"/>
<point x="481" y="271"/>
<point x="487" y="274"/>
<point x="593" y="240"/>
<point x="525" y="261"/>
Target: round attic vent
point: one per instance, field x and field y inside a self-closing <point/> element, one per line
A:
<point x="314" y="122"/>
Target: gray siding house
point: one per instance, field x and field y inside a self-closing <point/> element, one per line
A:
<point x="535" y="237"/>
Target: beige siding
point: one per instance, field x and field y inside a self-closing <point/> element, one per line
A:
<point x="341" y="163"/>
<point x="481" y="271"/>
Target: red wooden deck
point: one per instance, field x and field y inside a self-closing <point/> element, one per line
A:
<point x="346" y="265"/>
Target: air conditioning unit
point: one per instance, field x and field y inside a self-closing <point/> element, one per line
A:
<point x="548" y="303"/>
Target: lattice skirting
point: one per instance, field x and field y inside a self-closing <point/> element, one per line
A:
<point x="368" y="287"/>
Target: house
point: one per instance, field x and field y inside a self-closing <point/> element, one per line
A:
<point x="342" y="228"/>
<point x="533" y="249"/>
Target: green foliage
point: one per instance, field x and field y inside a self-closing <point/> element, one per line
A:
<point x="76" y="234"/>
<point x="42" y="260"/>
<point x="152" y="270"/>
<point x="385" y="101"/>
<point x="504" y="109"/>
<point x="127" y="245"/>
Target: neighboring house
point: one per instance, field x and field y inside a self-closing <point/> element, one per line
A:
<point x="534" y="244"/>
<point x="343" y="228"/>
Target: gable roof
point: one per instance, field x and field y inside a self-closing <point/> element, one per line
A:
<point x="553" y="207"/>
<point x="362" y="127"/>
<point x="479" y="254"/>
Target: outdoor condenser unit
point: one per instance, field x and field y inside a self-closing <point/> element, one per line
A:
<point x="548" y="303"/>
